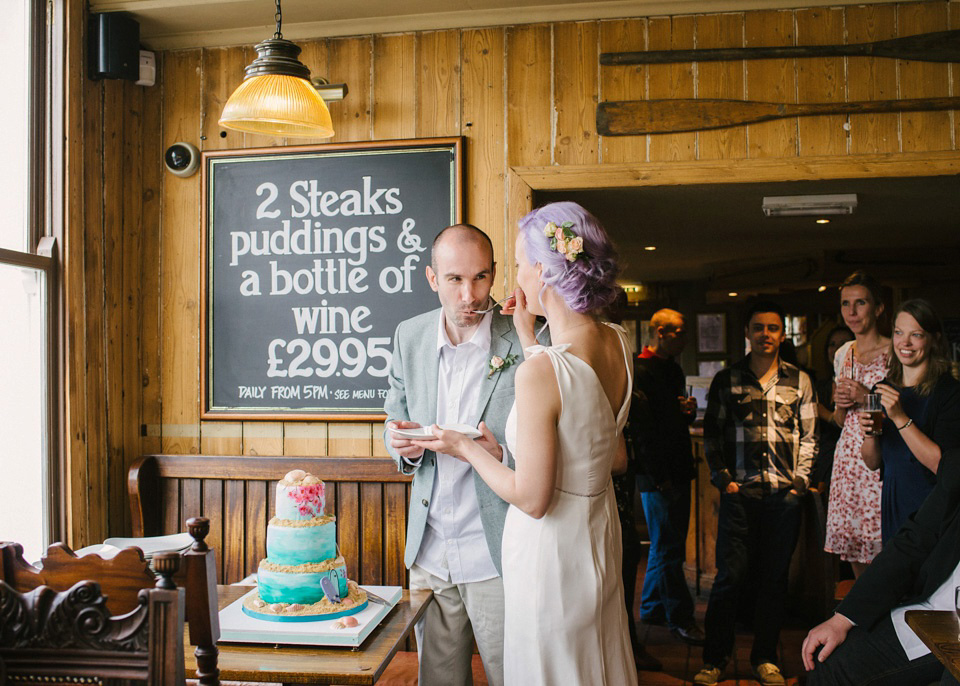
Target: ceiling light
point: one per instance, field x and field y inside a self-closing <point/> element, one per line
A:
<point x="650" y="248"/>
<point x="821" y="289"/>
<point x="733" y="294"/>
<point x="809" y="205"/>
<point x="276" y="97"/>
<point x="823" y="221"/>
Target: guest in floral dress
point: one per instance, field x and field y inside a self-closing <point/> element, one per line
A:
<point x="853" y="513"/>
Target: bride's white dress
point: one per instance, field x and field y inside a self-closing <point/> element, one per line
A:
<point x="565" y="621"/>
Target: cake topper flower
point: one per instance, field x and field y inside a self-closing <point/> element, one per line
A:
<point x="564" y="240"/>
<point x="498" y="364"/>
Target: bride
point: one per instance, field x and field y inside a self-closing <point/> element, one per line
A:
<point x="565" y="621"/>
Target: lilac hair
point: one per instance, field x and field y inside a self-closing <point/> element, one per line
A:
<point x="586" y="284"/>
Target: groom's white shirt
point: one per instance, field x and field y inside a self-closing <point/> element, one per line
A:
<point x="454" y="547"/>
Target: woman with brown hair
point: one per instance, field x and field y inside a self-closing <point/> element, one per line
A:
<point x="853" y="511"/>
<point x="922" y="405"/>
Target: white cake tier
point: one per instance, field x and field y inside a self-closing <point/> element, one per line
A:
<point x="301" y="500"/>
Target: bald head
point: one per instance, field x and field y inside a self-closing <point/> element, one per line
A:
<point x="461" y="237"/>
<point x="669" y="331"/>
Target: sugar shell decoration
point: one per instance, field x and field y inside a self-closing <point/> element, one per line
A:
<point x="346" y="623"/>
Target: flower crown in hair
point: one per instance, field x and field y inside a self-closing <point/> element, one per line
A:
<point x="564" y="240"/>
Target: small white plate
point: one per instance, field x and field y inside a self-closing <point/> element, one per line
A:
<point x="424" y="432"/>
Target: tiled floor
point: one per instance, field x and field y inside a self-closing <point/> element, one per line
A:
<point x="680" y="661"/>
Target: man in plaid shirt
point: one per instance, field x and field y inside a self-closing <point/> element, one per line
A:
<point x="760" y="439"/>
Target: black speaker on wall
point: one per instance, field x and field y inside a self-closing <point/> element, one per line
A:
<point x="113" y="47"/>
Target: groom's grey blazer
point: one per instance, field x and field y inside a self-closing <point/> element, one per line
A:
<point x="413" y="397"/>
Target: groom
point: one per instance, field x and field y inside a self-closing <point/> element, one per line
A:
<point x="453" y="365"/>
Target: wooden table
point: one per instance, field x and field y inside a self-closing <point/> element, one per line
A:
<point x="289" y="664"/>
<point x="940" y="632"/>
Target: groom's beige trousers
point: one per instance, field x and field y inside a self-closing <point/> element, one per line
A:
<point x="458" y="614"/>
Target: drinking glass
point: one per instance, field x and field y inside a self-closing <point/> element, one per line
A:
<point x="956" y="601"/>
<point x="872" y="406"/>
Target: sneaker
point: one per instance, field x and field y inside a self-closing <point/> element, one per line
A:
<point x="689" y="633"/>
<point x="768" y="674"/>
<point x="708" y="676"/>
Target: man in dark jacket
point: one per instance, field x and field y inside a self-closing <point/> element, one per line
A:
<point x="867" y="640"/>
<point x="665" y="469"/>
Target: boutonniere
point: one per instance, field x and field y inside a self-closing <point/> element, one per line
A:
<point x="498" y="364"/>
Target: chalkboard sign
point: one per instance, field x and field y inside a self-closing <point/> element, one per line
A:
<point x="312" y="256"/>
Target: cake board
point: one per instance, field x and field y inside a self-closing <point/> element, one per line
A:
<point x="236" y="626"/>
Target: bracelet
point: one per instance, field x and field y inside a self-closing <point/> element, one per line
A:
<point x="901" y="428"/>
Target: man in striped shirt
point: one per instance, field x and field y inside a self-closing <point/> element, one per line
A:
<point x="760" y="440"/>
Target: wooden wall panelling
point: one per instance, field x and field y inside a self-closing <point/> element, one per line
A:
<point x="94" y="458"/>
<point x="379" y="448"/>
<point x="234" y="531"/>
<point x="73" y="275"/>
<point x="115" y="186"/>
<point x="148" y="383"/>
<point x="671" y="81"/>
<point x="315" y="56"/>
<point x="351" y="60"/>
<point x="821" y="80"/>
<point x="348" y="524"/>
<point x="771" y="81"/>
<point x="304" y="438"/>
<point x="395" y="500"/>
<point x="394" y="86"/>
<point x="213" y="509"/>
<point x="483" y="90"/>
<point x="350" y="438"/>
<point x="257" y="515"/>
<point x="438" y="84"/>
<point x="623" y="82"/>
<point x="221" y="71"/>
<point x="170" y="497"/>
<point x="924" y="130"/>
<point x="372" y="525"/>
<point x="180" y="260"/>
<point x="529" y="56"/>
<point x="263" y="438"/>
<point x="221" y="438"/>
<point x="872" y="79"/>
<point x="191" y="502"/>
<point x="130" y="244"/>
<point x="722" y="80"/>
<point x="576" y="67"/>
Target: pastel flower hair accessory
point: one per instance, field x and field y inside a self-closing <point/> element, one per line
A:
<point x="564" y="240"/>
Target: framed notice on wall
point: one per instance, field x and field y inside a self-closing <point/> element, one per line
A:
<point x="311" y="258"/>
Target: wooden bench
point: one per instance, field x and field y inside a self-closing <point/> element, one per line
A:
<point x="368" y="495"/>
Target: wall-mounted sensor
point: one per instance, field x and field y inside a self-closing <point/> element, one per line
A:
<point x="182" y="159"/>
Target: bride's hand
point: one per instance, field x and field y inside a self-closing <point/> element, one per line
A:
<point x="489" y="442"/>
<point x="444" y="441"/>
<point x="524" y="321"/>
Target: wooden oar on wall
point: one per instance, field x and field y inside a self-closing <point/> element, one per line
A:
<point x="635" y="117"/>
<point x="943" y="46"/>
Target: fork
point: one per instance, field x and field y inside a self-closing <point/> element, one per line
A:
<point x="490" y="309"/>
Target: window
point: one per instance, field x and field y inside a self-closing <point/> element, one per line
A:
<point x="29" y="486"/>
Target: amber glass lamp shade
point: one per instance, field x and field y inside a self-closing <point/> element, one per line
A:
<point x="276" y="97"/>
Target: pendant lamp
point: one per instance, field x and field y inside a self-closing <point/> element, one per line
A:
<point x="276" y="97"/>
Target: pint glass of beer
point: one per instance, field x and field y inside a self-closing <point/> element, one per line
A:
<point x="872" y="406"/>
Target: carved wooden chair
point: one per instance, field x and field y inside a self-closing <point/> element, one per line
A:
<point x="121" y="580"/>
<point x="50" y="636"/>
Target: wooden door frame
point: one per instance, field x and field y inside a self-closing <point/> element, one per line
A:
<point x="523" y="181"/>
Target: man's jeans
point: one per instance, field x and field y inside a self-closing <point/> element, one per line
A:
<point x="876" y="658"/>
<point x="756" y="535"/>
<point x="665" y="592"/>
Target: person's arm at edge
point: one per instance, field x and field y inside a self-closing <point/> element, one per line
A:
<point x="808" y="434"/>
<point x="714" y="421"/>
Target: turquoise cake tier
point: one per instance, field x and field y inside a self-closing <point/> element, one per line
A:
<point x="298" y="545"/>
<point x="298" y="586"/>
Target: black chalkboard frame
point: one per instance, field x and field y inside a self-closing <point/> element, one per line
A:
<point x="455" y="145"/>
